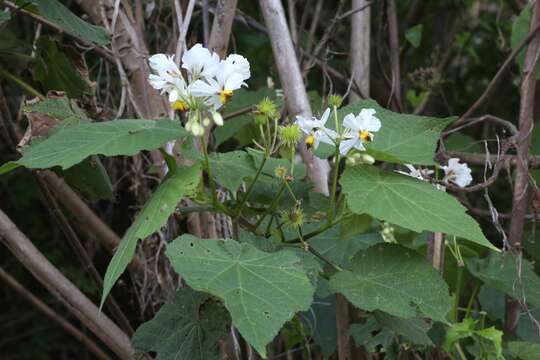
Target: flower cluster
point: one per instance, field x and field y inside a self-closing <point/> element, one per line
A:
<point x="455" y="172"/>
<point x="209" y="82"/>
<point x="357" y="131"/>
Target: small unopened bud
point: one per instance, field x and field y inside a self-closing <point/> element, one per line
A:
<point x="280" y="172"/>
<point x="218" y="119"/>
<point x="350" y="161"/>
<point x="335" y="100"/>
<point x="366" y="159"/>
<point x="197" y="129"/>
<point x="206" y="122"/>
<point x="290" y="135"/>
<point x="270" y="82"/>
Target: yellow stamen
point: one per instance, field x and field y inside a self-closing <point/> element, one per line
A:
<point x="179" y="105"/>
<point x="365" y="136"/>
<point x="225" y="96"/>
<point x="310" y="140"/>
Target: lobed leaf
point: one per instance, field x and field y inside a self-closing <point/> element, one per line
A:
<point x="408" y="202"/>
<point x="187" y="327"/>
<point x="261" y="290"/>
<point x="395" y="280"/>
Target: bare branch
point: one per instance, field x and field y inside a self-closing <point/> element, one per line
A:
<point x="52" y="315"/>
<point x="393" y="35"/>
<point x="63" y="289"/>
<point x="86" y="219"/>
<point x="521" y="191"/>
<point x="293" y="84"/>
<point x="360" y="47"/>
<point x="221" y="27"/>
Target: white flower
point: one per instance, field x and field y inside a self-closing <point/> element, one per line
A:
<point x="169" y="80"/>
<point x="359" y="130"/>
<point x="421" y="174"/>
<point x="200" y="62"/>
<point x="316" y="130"/>
<point x="229" y="75"/>
<point x="459" y="174"/>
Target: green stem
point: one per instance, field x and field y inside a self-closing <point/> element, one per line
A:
<point x="22" y="84"/>
<point x="250" y="189"/>
<point x="460" y="351"/>
<point x="293" y="149"/>
<point x="215" y="200"/>
<point x="273" y="205"/>
<point x="457" y="294"/>
<point x="331" y="209"/>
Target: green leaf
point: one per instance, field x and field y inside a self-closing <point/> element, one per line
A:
<point x="396" y="280"/>
<point x="91" y="178"/>
<point x="501" y="272"/>
<point x="180" y="183"/>
<point x="261" y="290"/>
<point x="321" y="320"/>
<point x="354" y="224"/>
<point x="231" y="169"/>
<point x="524" y="350"/>
<point x="4" y="16"/>
<point x="414" y="98"/>
<point x="414" y="35"/>
<point x="363" y="335"/>
<point x="408" y="202"/>
<point x="340" y="250"/>
<point x="403" y="138"/>
<point x="60" y="108"/>
<point x="520" y="30"/>
<point x="414" y="329"/>
<point x="60" y="15"/>
<point x="493" y="335"/>
<point x="187" y="327"/>
<point x="55" y="71"/>
<point x="458" y="331"/>
<point x="73" y="144"/>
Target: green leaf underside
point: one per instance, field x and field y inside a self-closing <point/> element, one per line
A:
<point x="501" y="272"/>
<point x="403" y="138"/>
<point x="338" y="250"/>
<point x="363" y="335"/>
<point x="395" y="280"/>
<point x="414" y="329"/>
<point x="152" y="217"/>
<point x="57" y="13"/>
<point x="231" y="169"/>
<point x="524" y="350"/>
<point x="73" y="144"/>
<point x="408" y="202"/>
<point x="261" y="290"/>
<point x="187" y="327"/>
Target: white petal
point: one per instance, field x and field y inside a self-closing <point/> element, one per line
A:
<point x="233" y="82"/>
<point x="350" y="122"/>
<point x="200" y="88"/>
<point x="327" y="136"/>
<point x="325" y="116"/>
<point x="359" y="145"/>
<point x="346" y="145"/>
<point x="237" y="64"/>
<point x="198" y="59"/>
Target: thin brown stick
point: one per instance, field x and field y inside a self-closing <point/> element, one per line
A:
<point x="85" y="219"/>
<point x="63" y="289"/>
<point x="342" y="312"/>
<point x="393" y="40"/>
<point x="498" y="76"/>
<point x="293" y="84"/>
<point x="52" y="315"/>
<point x="82" y="255"/>
<point x="521" y="191"/>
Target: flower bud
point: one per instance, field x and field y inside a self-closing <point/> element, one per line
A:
<point x="261" y="119"/>
<point x="335" y="100"/>
<point x="218" y="119"/>
<point x="206" y="122"/>
<point x="366" y="159"/>
<point x="294" y="217"/>
<point x="290" y="135"/>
